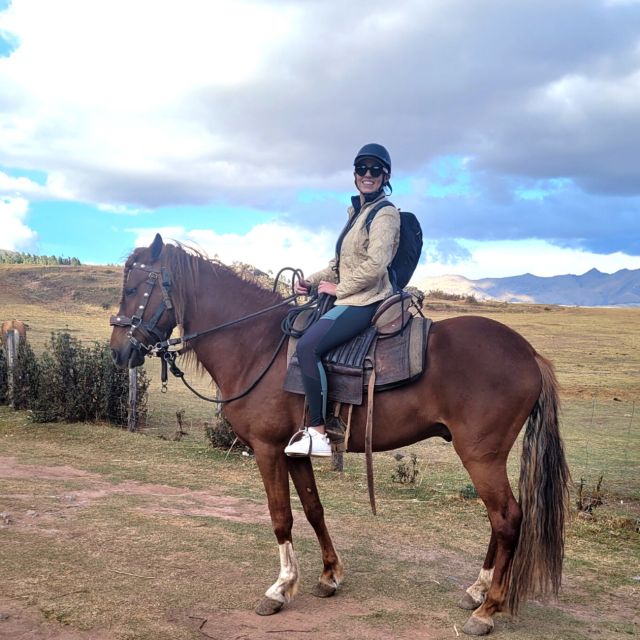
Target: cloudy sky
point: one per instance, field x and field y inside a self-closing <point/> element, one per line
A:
<point x="514" y="127"/>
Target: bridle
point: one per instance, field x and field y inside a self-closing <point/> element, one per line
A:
<point x="161" y="348"/>
<point x="136" y="322"/>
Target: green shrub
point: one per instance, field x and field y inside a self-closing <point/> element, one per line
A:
<point x="468" y="492"/>
<point x="26" y="376"/>
<point x="74" y="383"/>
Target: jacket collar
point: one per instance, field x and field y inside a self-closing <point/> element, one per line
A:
<point x="359" y="201"/>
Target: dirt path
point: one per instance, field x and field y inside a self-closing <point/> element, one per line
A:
<point x="61" y="515"/>
<point x="164" y="499"/>
<point x="306" y="617"/>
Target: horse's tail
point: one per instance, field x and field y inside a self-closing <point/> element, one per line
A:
<point x="544" y="493"/>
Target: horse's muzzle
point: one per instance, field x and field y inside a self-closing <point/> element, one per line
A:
<point x="127" y="357"/>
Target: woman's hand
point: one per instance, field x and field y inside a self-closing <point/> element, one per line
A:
<point x="327" y="287"/>
<point x="301" y="287"/>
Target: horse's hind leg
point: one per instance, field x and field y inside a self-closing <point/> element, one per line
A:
<point x="302" y="474"/>
<point x="505" y="516"/>
<point x="273" y="468"/>
<point x="475" y="595"/>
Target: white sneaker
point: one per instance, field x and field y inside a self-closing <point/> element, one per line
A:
<point x="308" y="442"/>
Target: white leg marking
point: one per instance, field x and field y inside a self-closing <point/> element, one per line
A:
<point x="286" y="586"/>
<point x="479" y="588"/>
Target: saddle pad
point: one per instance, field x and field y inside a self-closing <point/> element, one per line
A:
<point x="398" y="359"/>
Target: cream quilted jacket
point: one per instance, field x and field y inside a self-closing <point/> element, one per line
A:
<point x="364" y="257"/>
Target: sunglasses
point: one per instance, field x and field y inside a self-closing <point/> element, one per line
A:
<point x="375" y="171"/>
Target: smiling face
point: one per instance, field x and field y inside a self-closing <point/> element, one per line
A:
<point x="367" y="183"/>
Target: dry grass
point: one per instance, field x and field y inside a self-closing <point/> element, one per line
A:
<point x="137" y="564"/>
<point x="149" y="556"/>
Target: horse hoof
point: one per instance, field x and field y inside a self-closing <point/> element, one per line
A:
<point x="322" y="590"/>
<point x="468" y="603"/>
<point x="478" y="627"/>
<point x="268" y="606"/>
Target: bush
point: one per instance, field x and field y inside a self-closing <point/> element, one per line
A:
<point x="26" y="377"/>
<point x="74" y="383"/>
<point x="406" y="471"/>
<point x="219" y="433"/>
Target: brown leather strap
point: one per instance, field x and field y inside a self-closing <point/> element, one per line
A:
<point x="368" y="438"/>
<point x="347" y="433"/>
<point x="305" y="406"/>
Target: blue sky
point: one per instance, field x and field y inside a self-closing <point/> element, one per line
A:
<point x="514" y="128"/>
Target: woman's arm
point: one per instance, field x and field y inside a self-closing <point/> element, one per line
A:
<point x="328" y="274"/>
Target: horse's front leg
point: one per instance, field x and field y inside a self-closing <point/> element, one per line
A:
<point x="302" y="474"/>
<point x="272" y="463"/>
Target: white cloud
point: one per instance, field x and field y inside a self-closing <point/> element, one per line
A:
<point x="120" y="209"/>
<point x="155" y="102"/>
<point x="11" y="186"/>
<point x="269" y="247"/>
<point x="245" y="102"/>
<point x="110" y="89"/>
<point x="503" y="259"/>
<point x="15" y="235"/>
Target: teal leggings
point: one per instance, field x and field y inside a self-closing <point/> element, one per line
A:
<point x="335" y="327"/>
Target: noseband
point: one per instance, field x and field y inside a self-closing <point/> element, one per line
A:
<point x="136" y="321"/>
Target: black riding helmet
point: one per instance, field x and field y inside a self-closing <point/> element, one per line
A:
<point x="377" y="151"/>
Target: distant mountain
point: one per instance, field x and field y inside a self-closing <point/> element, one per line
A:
<point x="591" y="289"/>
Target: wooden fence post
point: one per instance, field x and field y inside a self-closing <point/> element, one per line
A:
<point x="13" y="342"/>
<point x="132" y="418"/>
<point x="337" y="458"/>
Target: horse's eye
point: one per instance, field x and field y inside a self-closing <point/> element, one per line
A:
<point x="130" y="291"/>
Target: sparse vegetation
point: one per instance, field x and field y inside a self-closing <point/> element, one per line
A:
<point x="468" y="492"/>
<point x="406" y="471"/>
<point x="587" y="504"/>
<point x="439" y="294"/>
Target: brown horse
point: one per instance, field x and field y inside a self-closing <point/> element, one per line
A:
<point x="16" y="326"/>
<point x="483" y="382"/>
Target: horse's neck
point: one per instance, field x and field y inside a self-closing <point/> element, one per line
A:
<point x="233" y="354"/>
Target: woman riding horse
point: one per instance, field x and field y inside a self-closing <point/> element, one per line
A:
<point x="483" y="382"/>
<point x="358" y="277"/>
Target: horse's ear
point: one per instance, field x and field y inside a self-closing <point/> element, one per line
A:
<point x="156" y="247"/>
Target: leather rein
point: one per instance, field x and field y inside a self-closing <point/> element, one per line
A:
<point x="161" y="348"/>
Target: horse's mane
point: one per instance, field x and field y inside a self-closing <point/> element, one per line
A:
<point x="188" y="265"/>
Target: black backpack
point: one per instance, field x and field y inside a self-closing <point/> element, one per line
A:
<point x="406" y="259"/>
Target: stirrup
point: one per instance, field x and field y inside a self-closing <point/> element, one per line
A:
<point x="298" y="435"/>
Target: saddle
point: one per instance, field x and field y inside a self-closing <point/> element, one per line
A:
<point x="389" y="353"/>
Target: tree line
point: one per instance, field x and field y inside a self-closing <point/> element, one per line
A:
<point x="17" y="257"/>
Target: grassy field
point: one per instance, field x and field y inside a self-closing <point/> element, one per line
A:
<point x="106" y="534"/>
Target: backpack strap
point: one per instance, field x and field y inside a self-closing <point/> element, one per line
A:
<point x="370" y="216"/>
